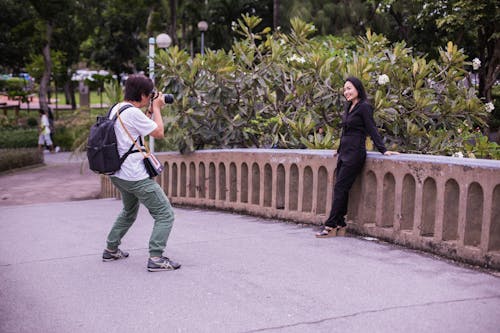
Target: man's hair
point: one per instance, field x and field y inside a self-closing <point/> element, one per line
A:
<point x="136" y="85"/>
<point x="359" y="87"/>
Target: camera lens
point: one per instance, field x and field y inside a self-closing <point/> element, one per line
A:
<point x="168" y="98"/>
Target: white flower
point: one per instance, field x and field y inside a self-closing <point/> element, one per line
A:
<point x="296" y="58"/>
<point x="383" y="79"/>
<point x="476" y="63"/>
<point x="459" y="155"/>
<point x="489" y="107"/>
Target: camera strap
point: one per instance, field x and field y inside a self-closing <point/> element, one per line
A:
<point x="145" y="154"/>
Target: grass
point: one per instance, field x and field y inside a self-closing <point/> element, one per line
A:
<point x="95" y="98"/>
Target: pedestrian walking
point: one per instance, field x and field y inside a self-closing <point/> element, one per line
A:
<point x="44" y="139"/>
<point x="357" y="122"/>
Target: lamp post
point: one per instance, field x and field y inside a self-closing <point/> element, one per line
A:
<point x="202" y="26"/>
<point x="163" y="41"/>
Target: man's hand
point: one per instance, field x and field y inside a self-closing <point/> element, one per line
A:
<point x="159" y="101"/>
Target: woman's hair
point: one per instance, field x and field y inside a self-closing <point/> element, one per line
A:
<point x="359" y="87"/>
<point x="136" y="85"/>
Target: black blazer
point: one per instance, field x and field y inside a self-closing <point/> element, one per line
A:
<point x="356" y="125"/>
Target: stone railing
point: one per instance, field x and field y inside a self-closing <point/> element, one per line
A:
<point x="445" y="205"/>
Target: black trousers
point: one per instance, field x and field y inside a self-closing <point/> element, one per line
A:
<point x="345" y="176"/>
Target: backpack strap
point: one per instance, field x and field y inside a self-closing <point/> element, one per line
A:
<point x="145" y="154"/>
<point x="131" y="150"/>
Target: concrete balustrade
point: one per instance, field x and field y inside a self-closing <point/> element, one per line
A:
<point x="445" y="205"/>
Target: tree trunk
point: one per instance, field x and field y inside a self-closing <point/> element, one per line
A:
<point x="276" y="14"/>
<point x="45" y="81"/>
<point x="492" y="69"/>
<point x="69" y="92"/>
<point x="173" y="25"/>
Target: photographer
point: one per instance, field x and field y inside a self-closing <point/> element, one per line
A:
<point x="132" y="180"/>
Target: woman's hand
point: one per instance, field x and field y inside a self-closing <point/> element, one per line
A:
<point x="389" y="153"/>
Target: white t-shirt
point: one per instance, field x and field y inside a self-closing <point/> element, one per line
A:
<point x="45" y="124"/>
<point x="137" y="125"/>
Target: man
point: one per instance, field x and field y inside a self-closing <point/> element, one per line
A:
<point x="133" y="181"/>
<point x="44" y="137"/>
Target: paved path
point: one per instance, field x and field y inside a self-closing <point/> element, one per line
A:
<point x="63" y="177"/>
<point x="239" y="274"/>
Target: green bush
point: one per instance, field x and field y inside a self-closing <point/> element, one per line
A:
<point x="18" y="158"/>
<point x="64" y="138"/>
<point x="18" y="138"/>
<point x="277" y="90"/>
<point x="32" y="122"/>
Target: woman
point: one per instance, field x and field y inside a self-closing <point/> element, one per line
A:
<point x="357" y="122"/>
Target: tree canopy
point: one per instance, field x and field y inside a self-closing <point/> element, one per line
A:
<point x="113" y="34"/>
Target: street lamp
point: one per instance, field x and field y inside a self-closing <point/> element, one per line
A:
<point x="202" y="26"/>
<point x="163" y="41"/>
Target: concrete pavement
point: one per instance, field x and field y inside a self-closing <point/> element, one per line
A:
<point x="239" y="274"/>
<point x="63" y="177"/>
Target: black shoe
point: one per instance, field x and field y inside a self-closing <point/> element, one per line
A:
<point x="162" y="264"/>
<point x="111" y="256"/>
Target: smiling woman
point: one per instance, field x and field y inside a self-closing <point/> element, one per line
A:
<point x="357" y="122"/>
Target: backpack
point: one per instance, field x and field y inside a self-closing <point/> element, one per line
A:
<point x="102" y="146"/>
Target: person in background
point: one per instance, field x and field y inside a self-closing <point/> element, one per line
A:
<point x="357" y="122"/>
<point x="50" y="115"/>
<point x="44" y="132"/>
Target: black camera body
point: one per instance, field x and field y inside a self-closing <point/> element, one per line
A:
<point x="167" y="98"/>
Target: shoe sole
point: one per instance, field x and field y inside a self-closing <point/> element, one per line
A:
<point x="339" y="232"/>
<point x="113" y="259"/>
<point x="327" y="236"/>
<point x="162" y="269"/>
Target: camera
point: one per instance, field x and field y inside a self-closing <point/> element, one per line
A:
<point x="167" y="98"/>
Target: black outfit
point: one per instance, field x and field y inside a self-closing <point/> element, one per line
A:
<point x="356" y="124"/>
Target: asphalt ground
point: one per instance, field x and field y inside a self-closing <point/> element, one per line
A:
<point x="239" y="273"/>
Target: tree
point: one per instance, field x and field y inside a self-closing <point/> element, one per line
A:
<point x="17" y="34"/>
<point x="474" y="24"/>
<point x="427" y="24"/>
<point x="119" y="39"/>
<point x="48" y="12"/>
<point x="276" y="14"/>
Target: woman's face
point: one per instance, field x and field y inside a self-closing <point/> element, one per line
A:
<point x="350" y="92"/>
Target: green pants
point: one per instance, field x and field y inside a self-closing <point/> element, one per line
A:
<point x="151" y="195"/>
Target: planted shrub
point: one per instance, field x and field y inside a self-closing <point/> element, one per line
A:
<point x="18" y="138"/>
<point x="278" y="90"/>
<point x="18" y="158"/>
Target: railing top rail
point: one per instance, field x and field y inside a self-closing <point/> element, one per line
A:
<point x="470" y="162"/>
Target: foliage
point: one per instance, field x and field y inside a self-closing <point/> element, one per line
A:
<point x="113" y="91"/>
<point x="477" y="145"/>
<point x="18" y="138"/>
<point x="278" y="90"/>
<point x="18" y="158"/>
<point x="16" y="34"/>
<point x="17" y="88"/>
